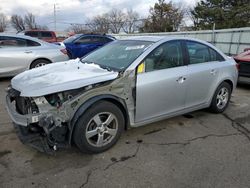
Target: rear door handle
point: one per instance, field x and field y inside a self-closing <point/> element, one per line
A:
<point x="28" y="52"/>
<point x="213" y="72"/>
<point x="181" y="79"/>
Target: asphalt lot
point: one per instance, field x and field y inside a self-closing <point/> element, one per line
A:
<point x="197" y="150"/>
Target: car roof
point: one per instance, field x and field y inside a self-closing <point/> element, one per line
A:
<point x="145" y="38"/>
<point x="39" y="31"/>
<point x="98" y="35"/>
<point x="162" y="38"/>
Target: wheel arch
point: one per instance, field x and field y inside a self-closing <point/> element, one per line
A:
<point x="227" y="80"/>
<point x="84" y="107"/>
<point x="40" y="58"/>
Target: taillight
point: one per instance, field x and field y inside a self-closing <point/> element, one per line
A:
<point x="237" y="66"/>
<point x="64" y="51"/>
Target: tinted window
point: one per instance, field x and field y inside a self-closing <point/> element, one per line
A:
<point x="84" y="40"/>
<point x="98" y="40"/>
<point x="101" y="40"/>
<point x="32" y="33"/>
<point x="167" y="55"/>
<point x="12" y="42"/>
<point x="32" y="43"/>
<point x="46" y="34"/>
<point x="71" y="39"/>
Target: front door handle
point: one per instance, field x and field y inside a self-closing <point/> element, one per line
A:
<point x="181" y="80"/>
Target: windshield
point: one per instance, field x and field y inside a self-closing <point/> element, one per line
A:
<point x="71" y="39"/>
<point x="117" y="55"/>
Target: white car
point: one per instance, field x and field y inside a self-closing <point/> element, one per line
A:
<point x="19" y="53"/>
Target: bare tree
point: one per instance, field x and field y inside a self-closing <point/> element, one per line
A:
<point x="79" y="28"/>
<point x="116" y="20"/>
<point x="3" y="22"/>
<point x="17" y="22"/>
<point x="99" y="24"/>
<point x="131" y="21"/>
<point x="30" y="21"/>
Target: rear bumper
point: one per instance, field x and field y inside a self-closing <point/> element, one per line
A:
<point x="243" y="79"/>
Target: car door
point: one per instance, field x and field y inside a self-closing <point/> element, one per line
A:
<point x="83" y="46"/>
<point x="161" y="86"/>
<point x="14" y="55"/>
<point x="203" y="73"/>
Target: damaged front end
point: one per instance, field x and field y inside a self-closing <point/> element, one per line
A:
<point x="38" y="120"/>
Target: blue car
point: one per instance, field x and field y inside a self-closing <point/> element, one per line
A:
<point x="81" y="44"/>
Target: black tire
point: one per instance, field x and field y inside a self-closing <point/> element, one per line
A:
<point x="86" y="121"/>
<point x="39" y="63"/>
<point x="214" y="107"/>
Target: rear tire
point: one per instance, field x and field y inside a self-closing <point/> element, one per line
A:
<point x="39" y="63"/>
<point x="221" y="98"/>
<point x="99" y="128"/>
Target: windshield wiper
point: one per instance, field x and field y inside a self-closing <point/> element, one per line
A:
<point x="88" y="62"/>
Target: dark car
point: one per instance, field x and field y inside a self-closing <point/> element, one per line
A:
<point x="47" y="36"/>
<point x="81" y="44"/>
<point x="243" y="61"/>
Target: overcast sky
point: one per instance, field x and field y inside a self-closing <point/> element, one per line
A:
<point x="75" y="11"/>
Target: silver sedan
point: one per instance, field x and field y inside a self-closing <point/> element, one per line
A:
<point x="20" y="53"/>
<point x="127" y="83"/>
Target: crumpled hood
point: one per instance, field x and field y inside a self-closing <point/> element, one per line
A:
<point x="58" y="77"/>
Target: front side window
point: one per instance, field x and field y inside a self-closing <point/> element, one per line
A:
<point x="117" y="55"/>
<point x="167" y="55"/>
<point x="12" y="42"/>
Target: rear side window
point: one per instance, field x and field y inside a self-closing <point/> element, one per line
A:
<point x="101" y="40"/>
<point x="32" y="33"/>
<point x="84" y="40"/>
<point x="32" y="43"/>
<point x="46" y="34"/>
<point x="98" y="40"/>
<point x="200" y="53"/>
<point x="215" y="56"/>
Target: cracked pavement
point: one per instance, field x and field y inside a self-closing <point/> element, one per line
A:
<point x="196" y="150"/>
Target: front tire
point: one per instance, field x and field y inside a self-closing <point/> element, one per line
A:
<point x="221" y="98"/>
<point x="99" y="128"/>
<point x="39" y="63"/>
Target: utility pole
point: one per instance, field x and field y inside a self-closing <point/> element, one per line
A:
<point x="55" y="17"/>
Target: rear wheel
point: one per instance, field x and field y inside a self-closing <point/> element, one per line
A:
<point x="221" y="98"/>
<point x="39" y="63"/>
<point x="99" y="128"/>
